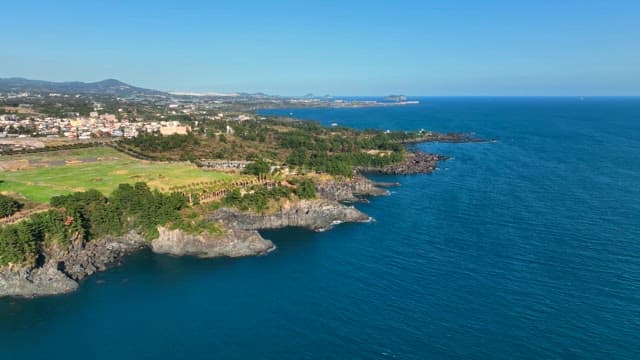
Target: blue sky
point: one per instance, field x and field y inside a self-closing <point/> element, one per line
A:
<point x="517" y="47"/>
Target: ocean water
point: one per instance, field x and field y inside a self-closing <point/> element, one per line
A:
<point x="528" y="247"/>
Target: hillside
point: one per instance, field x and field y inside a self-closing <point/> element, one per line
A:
<point x="109" y="86"/>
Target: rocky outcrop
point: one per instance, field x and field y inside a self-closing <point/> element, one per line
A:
<point x="27" y="282"/>
<point x="316" y="214"/>
<point x="444" y="137"/>
<point x="63" y="267"/>
<point x="416" y="163"/>
<point x="233" y="243"/>
<point x="82" y="258"/>
<point x="354" y="189"/>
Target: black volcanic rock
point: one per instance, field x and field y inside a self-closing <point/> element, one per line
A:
<point x="64" y="266"/>
<point x="354" y="189"/>
<point x="417" y="162"/>
<point x="316" y="214"/>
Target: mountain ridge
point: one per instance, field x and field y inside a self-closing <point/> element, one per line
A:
<point x="106" y="86"/>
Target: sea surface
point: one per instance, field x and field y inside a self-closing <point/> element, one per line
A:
<point x="527" y="247"/>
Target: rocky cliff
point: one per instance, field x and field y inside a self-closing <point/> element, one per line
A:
<point x="233" y="243"/>
<point x="61" y="268"/>
<point x="316" y="214"/>
<point x="28" y="282"/>
<point x="82" y="258"/>
<point x="417" y="162"/>
<point x="354" y="189"/>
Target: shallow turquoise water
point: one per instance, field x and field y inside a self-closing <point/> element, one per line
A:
<point x="528" y="247"/>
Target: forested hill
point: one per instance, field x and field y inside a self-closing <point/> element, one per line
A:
<point x="109" y="86"/>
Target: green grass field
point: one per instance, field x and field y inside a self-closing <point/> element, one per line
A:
<point x="95" y="168"/>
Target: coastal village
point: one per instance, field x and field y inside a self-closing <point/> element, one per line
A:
<point x="28" y="117"/>
<point x="85" y="128"/>
<point x="23" y="128"/>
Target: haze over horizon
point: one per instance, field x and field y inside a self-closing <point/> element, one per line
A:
<point x="356" y="48"/>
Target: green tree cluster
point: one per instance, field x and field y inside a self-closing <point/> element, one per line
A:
<point x="257" y="168"/>
<point x="90" y="215"/>
<point x="20" y="243"/>
<point x="339" y="151"/>
<point x="8" y="206"/>
<point x="341" y="163"/>
<point x="335" y="150"/>
<point x="305" y="188"/>
<point x="256" y="199"/>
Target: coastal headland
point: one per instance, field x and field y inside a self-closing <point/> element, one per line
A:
<point x="61" y="268"/>
<point x="77" y="208"/>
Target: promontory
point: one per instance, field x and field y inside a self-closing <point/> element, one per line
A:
<point x="71" y="208"/>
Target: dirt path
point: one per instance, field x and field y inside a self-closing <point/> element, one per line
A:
<point x="23" y="214"/>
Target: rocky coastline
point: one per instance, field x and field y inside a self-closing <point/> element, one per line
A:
<point x="417" y="162"/>
<point x="420" y="162"/>
<point x="444" y="137"/>
<point x="355" y="189"/>
<point x="315" y="215"/>
<point x="233" y="243"/>
<point x="61" y="269"/>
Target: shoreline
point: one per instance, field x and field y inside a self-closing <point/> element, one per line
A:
<point x="350" y="104"/>
<point x="62" y="270"/>
<point x="417" y="162"/>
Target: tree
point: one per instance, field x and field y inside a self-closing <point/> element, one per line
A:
<point x="305" y="188"/>
<point x="8" y="206"/>
<point x="257" y="168"/>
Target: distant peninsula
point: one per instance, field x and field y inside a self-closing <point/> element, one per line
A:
<point x="24" y="91"/>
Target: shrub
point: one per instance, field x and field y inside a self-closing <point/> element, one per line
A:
<point x="8" y="206"/>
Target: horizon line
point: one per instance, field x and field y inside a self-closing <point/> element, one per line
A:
<point x="237" y="92"/>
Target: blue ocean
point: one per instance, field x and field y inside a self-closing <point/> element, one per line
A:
<point x="523" y="248"/>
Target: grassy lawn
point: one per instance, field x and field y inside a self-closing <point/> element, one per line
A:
<point x="73" y="154"/>
<point x="105" y="169"/>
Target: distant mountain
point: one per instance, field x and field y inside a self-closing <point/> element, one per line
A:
<point x="109" y="86"/>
